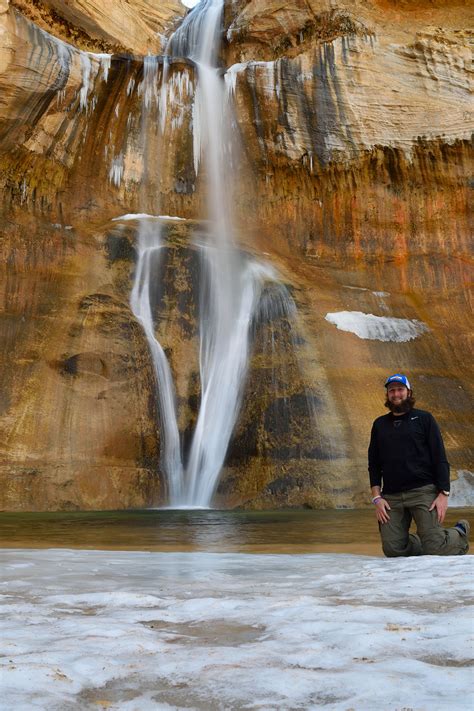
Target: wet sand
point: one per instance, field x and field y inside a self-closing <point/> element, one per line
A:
<point x="294" y="531"/>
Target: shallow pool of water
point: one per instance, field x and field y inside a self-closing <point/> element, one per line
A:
<point x="295" y="531"/>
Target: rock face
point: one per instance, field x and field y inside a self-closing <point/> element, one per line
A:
<point x="354" y="121"/>
<point x="138" y="27"/>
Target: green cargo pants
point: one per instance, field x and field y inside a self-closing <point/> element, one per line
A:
<point x="430" y="538"/>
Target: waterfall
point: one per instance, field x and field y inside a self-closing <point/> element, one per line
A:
<point x="231" y="282"/>
<point x="230" y="285"/>
<point x="148" y="267"/>
<point x="149" y="248"/>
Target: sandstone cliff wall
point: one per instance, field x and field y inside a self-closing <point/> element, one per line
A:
<point x="354" y="121"/>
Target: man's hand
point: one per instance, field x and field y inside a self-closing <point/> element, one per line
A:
<point x="441" y="506"/>
<point x="381" y="511"/>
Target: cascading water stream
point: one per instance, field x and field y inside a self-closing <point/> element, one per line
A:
<point x="149" y="257"/>
<point x="149" y="253"/>
<point x="231" y="283"/>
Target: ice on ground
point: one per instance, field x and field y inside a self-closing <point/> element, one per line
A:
<point x="377" y="328"/>
<point x="462" y="489"/>
<point x="128" y="630"/>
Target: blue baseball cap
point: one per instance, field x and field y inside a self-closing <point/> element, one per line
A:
<point x="399" y="379"/>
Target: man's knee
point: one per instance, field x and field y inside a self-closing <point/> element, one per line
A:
<point x="394" y="549"/>
<point x="401" y="546"/>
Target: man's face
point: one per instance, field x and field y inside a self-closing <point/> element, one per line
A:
<point x="397" y="394"/>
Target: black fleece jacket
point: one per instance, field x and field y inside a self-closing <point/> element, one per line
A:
<point x="407" y="451"/>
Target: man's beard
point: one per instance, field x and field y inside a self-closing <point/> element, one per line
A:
<point x="400" y="408"/>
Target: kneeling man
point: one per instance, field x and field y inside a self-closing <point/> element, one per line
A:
<point x="409" y="476"/>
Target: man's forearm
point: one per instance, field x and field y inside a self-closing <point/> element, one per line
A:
<point x="376" y="491"/>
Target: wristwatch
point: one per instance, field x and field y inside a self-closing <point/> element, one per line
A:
<point x="446" y="493"/>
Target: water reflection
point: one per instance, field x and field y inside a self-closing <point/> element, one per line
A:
<point x="200" y="530"/>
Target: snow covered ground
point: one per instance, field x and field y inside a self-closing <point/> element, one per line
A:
<point x="146" y="631"/>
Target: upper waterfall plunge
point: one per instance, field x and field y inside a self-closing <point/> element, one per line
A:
<point x="231" y="284"/>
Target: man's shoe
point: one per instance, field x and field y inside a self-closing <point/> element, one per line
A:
<point x="463" y="527"/>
